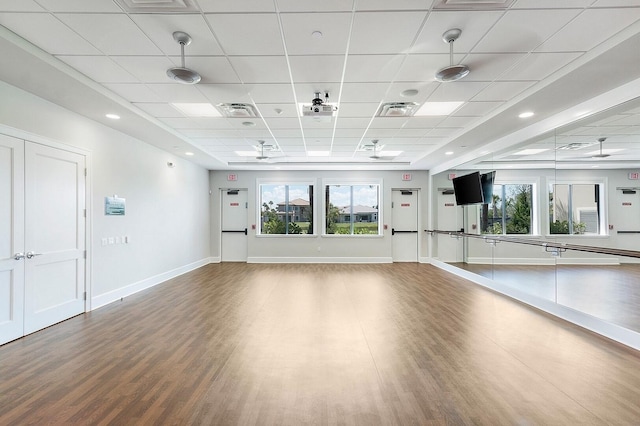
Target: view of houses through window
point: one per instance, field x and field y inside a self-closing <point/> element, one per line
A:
<point x="352" y="209"/>
<point x="286" y="209"/>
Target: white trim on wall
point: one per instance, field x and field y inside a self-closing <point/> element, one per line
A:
<point x="319" y="260"/>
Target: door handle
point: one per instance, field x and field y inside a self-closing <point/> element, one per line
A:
<point x="31" y="254"/>
<point x="18" y="256"/>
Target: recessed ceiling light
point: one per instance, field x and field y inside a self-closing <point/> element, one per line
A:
<point x="526" y="114"/>
<point x="408" y="93"/>
<point x="197" y="109"/>
<point x="113" y="116"/>
<point x="448" y="153"/>
<point x="188" y="153"/>
<point x="317" y="35"/>
<point x="531" y="151"/>
<point x="437" y="108"/>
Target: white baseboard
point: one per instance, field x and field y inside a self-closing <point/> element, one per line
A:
<point x="426" y="260"/>
<point x="114" y="295"/>
<point x="319" y="260"/>
<point x="612" y="331"/>
<point x="542" y="261"/>
<point x="215" y="259"/>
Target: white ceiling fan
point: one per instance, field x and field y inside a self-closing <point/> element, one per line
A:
<point x="377" y="153"/>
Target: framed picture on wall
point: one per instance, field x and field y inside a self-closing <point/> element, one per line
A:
<point x="114" y="206"/>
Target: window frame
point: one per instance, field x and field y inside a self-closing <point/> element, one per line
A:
<point x="349" y="182"/>
<point x="287" y="183"/>
<point x="602" y="182"/>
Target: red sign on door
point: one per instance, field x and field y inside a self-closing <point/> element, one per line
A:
<point x="405" y="205"/>
<point x="626" y="204"/>
<point x="234" y="204"/>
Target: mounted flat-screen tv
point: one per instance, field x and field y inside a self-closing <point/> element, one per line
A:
<point x="486" y="180"/>
<point x="468" y="189"/>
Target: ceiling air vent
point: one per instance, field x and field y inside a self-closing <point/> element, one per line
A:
<point x="472" y="4"/>
<point x="158" y="6"/>
<point x="237" y="110"/>
<point x="575" y="146"/>
<point x="397" y="109"/>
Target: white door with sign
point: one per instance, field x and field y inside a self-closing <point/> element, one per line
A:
<point x="450" y="218"/>
<point x="42" y="243"/>
<point x="404" y="225"/>
<point x="234" y="225"/>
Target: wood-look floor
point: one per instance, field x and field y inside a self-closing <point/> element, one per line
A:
<point x="318" y="344"/>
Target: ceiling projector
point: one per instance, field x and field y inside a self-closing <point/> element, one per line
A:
<point x="319" y="110"/>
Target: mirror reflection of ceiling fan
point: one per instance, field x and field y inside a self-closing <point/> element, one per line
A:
<point x="266" y="151"/>
<point x="598" y="155"/>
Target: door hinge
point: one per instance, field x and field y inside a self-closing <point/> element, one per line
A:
<point x="84" y="254"/>
<point x="392" y="204"/>
<point x="85" y="171"/>
<point x="85" y="295"/>
<point x="85" y="212"/>
<point x="246" y="205"/>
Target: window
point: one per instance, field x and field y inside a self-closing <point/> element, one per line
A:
<point x="286" y="209"/>
<point x="510" y="210"/>
<point x="352" y="209"/>
<point x="575" y="209"/>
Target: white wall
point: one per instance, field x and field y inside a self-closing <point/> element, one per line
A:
<point x="317" y="248"/>
<point x="167" y="209"/>
<point x="616" y="214"/>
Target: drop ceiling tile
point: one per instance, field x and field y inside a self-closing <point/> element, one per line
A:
<point x="99" y="68"/>
<point x="212" y="69"/>
<point x="550" y="4"/>
<point x="255" y="134"/>
<point x="320" y="68"/>
<point x="363" y="92"/>
<point x="278" y="110"/>
<point x="423" y="122"/>
<point x="134" y="92"/>
<point x="261" y="69"/>
<point x="491" y="66"/>
<point x="247" y="34"/>
<point x="298" y="29"/>
<point x="87" y="6"/>
<point x="209" y="133"/>
<point x="159" y="28"/>
<point x="477" y="109"/>
<point x="453" y="121"/>
<point x="317" y="133"/>
<point x="538" y="66"/>
<point x="410" y="133"/>
<point x="176" y="92"/>
<point x="388" y="122"/>
<point x="181" y="123"/>
<point x="20" y="6"/>
<point x="239" y="123"/>
<point x="159" y="110"/>
<point x="457" y="92"/>
<point x="235" y="6"/>
<point x="503" y="91"/>
<point x="616" y="3"/>
<point x="424" y="88"/>
<point x="368" y="35"/>
<point x="352" y="123"/>
<point x="47" y="33"/>
<point x="211" y="143"/>
<point x="394" y="5"/>
<point x="442" y="132"/>
<point x="474" y="25"/>
<point x="589" y="29"/>
<point x="423" y="67"/>
<point x="113" y="34"/>
<point x="372" y="68"/>
<point x="225" y="93"/>
<point x="381" y="133"/>
<point x="314" y="5"/>
<point x="349" y="133"/>
<point x="357" y="110"/>
<point x="271" y="93"/>
<point x="283" y="123"/>
<point x="149" y="69"/>
<point x="524" y="30"/>
<point x="287" y="133"/>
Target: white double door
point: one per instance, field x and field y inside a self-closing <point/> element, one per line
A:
<point x="42" y="236"/>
